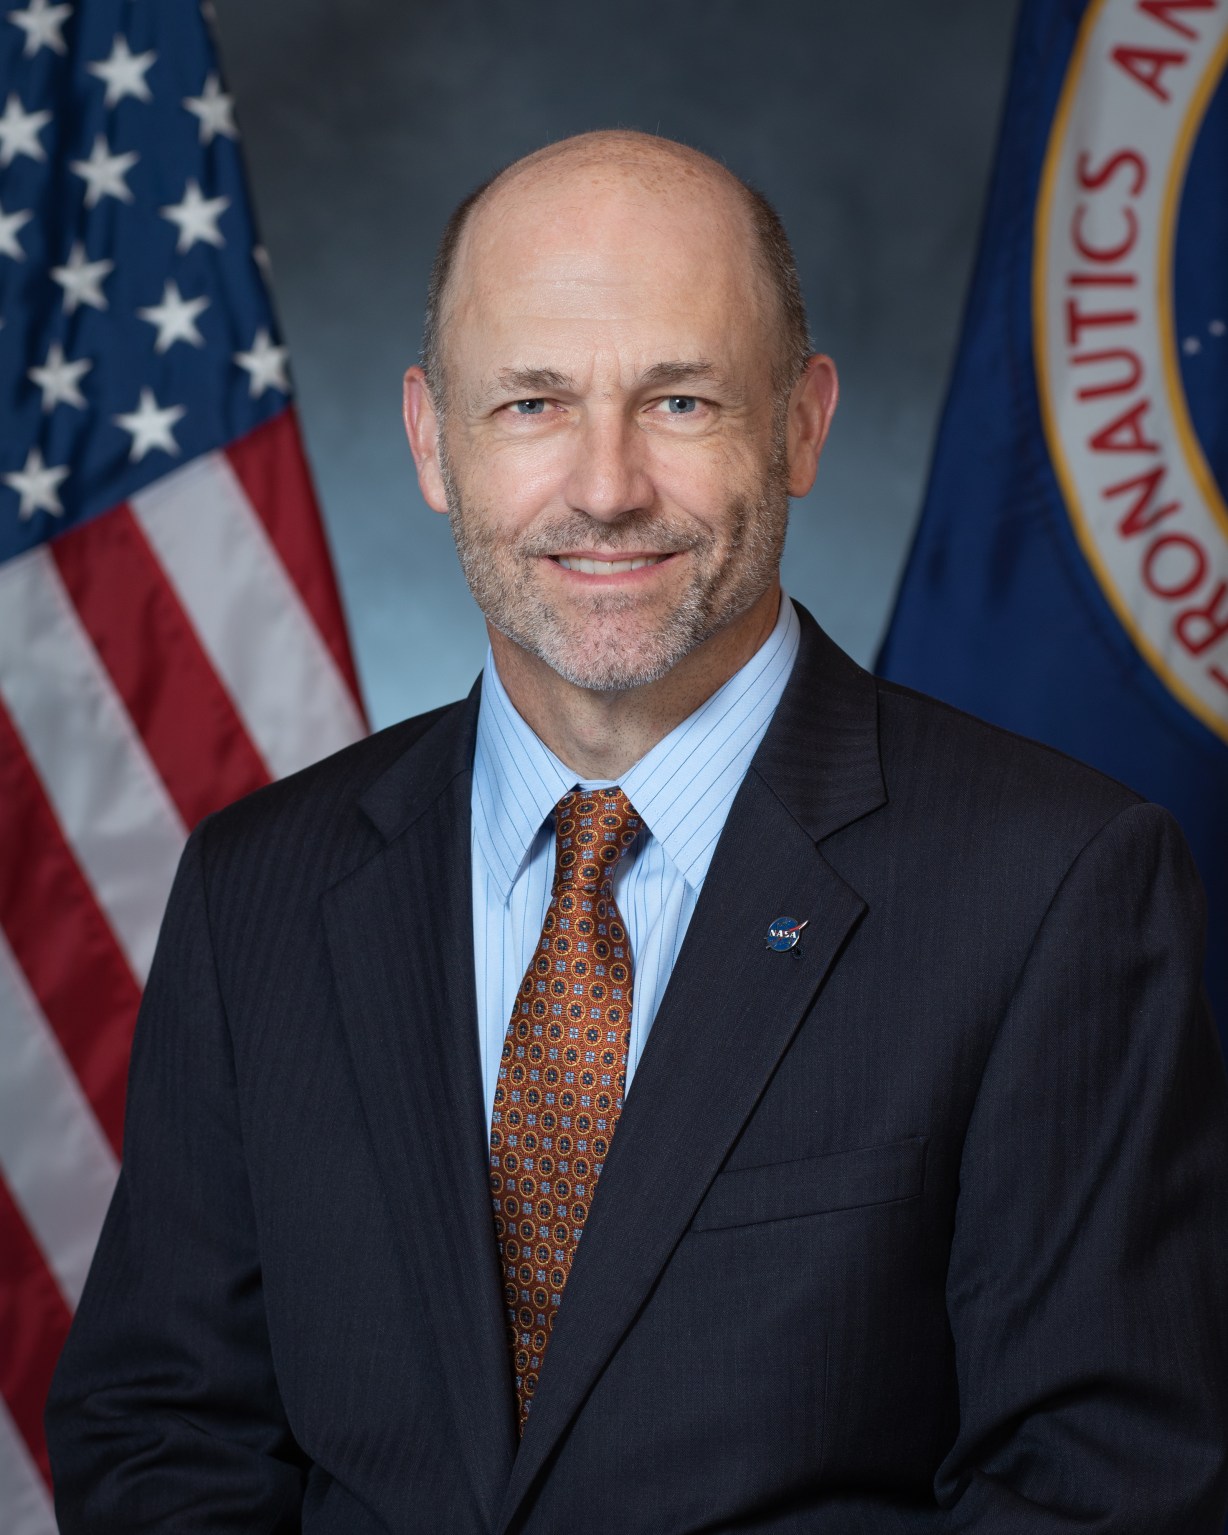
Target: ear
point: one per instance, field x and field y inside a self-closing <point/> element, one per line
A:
<point x="811" y="407"/>
<point x="422" y="429"/>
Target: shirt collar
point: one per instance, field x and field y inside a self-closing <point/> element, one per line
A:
<point x="682" y="788"/>
<point x="517" y="782"/>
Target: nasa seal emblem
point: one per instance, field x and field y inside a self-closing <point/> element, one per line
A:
<point x="1128" y="360"/>
<point x="784" y="934"/>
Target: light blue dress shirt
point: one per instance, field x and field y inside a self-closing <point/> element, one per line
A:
<point x="682" y="789"/>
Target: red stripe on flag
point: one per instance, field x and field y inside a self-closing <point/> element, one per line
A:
<point x="272" y="469"/>
<point x="33" y="1325"/>
<point x="147" y="643"/>
<point x="62" y="940"/>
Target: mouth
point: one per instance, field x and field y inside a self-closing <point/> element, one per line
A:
<point x="587" y="565"/>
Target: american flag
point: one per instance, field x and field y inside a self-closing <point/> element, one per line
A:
<point x="170" y="632"/>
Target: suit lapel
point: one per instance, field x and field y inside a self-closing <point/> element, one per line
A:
<point x="730" y="1010"/>
<point x="399" y="931"/>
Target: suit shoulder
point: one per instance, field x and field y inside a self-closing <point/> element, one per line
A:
<point x="987" y="826"/>
<point x="968" y="766"/>
<point x="316" y="804"/>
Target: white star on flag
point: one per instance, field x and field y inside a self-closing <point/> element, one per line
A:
<point x="196" y="217"/>
<point x="38" y="487"/>
<point x="175" y="318"/>
<point x="266" y="364"/>
<point x="19" y="131"/>
<point x="60" y="380"/>
<point x="82" y="280"/>
<point x="104" y="173"/>
<point x="43" y="25"/>
<point x="214" y="109"/>
<point x="150" y="426"/>
<point x="10" y="223"/>
<point x="124" y="72"/>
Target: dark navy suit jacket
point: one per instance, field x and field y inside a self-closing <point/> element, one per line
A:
<point x="924" y="1228"/>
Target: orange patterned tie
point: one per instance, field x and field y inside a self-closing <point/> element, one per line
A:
<point x="562" y="1074"/>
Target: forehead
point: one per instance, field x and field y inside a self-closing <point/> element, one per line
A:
<point x="635" y="260"/>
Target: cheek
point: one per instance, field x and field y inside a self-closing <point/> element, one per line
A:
<point x="701" y="480"/>
<point x="510" y="484"/>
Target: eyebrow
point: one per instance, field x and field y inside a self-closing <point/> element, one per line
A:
<point x="662" y="374"/>
<point x="531" y="381"/>
<point x="526" y="383"/>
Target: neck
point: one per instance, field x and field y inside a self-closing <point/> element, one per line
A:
<point x="601" y="734"/>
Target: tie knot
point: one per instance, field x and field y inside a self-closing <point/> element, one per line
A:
<point x="592" y="831"/>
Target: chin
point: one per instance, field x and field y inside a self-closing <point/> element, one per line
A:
<point x="606" y="655"/>
<point x="617" y="674"/>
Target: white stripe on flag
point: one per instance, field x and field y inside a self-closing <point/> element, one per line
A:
<point x="114" y="809"/>
<point x="249" y="616"/>
<point x="53" y="1155"/>
<point x="24" y="1499"/>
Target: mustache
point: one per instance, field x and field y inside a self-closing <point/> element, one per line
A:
<point x="644" y="535"/>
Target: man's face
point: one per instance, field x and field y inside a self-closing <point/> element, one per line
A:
<point x="612" y="458"/>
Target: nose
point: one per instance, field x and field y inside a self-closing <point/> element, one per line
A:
<point x="609" y="473"/>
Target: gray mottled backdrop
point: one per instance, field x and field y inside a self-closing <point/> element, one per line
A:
<point x="870" y="125"/>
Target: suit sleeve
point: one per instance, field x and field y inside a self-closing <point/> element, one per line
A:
<point x="164" y="1412"/>
<point x="1089" y="1270"/>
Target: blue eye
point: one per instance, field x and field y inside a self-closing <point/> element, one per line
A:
<point x="681" y="404"/>
<point x="529" y="407"/>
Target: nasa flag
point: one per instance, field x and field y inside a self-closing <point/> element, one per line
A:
<point x="1069" y="578"/>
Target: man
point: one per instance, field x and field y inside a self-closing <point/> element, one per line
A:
<point x="914" y="1215"/>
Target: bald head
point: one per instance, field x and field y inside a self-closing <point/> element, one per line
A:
<point x="619" y="408"/>
<point x="580" y="177"/>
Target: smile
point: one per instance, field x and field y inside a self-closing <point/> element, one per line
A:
<point x="589" y="567"/>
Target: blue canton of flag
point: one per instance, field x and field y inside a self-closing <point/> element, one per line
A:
<point x="137" y="330"/>
<point x="1069" y="578"/>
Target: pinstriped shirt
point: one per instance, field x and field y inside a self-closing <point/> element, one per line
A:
<point x="682" y="790"/>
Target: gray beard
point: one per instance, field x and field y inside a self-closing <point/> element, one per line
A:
<point x="604" y="649"/>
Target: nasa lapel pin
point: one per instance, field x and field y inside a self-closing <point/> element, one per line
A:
<point x="785" y="934"/>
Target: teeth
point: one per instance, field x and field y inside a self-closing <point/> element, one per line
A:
<point x="607" y="567"/>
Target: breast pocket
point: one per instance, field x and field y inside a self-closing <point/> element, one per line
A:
<point x="840" y="1180"/>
